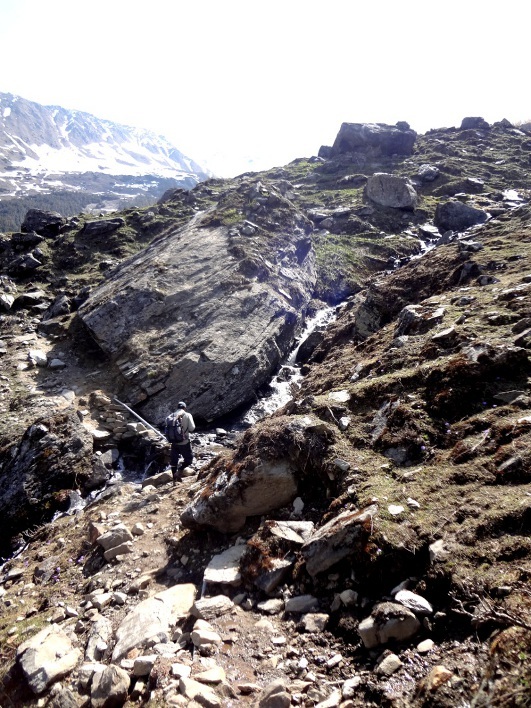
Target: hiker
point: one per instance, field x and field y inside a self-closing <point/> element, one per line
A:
<point x="178" y="427"/>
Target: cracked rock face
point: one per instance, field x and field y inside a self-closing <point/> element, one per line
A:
<point x="194" y="318"/>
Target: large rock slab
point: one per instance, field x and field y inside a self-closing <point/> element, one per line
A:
<point x="376" y="137"/>
<point x="206" y="313"/>
<point x="261" y="476"/>
<point x="153" y="617"/>
<point x="47" y="657"/>
<point x="268" y="485"/>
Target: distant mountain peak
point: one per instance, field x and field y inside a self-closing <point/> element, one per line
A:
<point x="43" y="148"/>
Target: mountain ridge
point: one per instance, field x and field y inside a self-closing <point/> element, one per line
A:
<point x="50" y="149"/>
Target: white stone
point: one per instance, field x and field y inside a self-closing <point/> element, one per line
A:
<point x="425" y="646"/>
<point x="395" y="509"/>
<point x="224" y="569"/>
<point x="388" y="665"/>
<point x="414" y="602"/>
<point x="339" y="396"/>
<point x="210" y="607"/>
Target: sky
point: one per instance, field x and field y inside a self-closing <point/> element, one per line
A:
<point x="240" y="84"/>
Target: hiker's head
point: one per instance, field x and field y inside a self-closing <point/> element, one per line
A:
<point x="182" y="405"/>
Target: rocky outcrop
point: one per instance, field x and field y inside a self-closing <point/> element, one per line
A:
<point x="263" y="477"/>
<point x="378" y="138"/>
<point x="53" y="456"/>
<point x="206" y="313"/>
<point x="44" y="223"/>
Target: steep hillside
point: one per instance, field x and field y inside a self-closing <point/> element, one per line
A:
<point x="365" y="545"/>
<point x="70" y="161"/>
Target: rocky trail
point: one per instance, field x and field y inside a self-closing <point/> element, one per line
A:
<point x="367" y="543"/>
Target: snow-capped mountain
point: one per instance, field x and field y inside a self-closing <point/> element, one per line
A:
<point x="49" y="149"/>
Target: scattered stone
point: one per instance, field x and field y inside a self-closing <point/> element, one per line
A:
<point x="224" y="569"/>
<point x="388" y="665"/>
<point x="414" y="602"/>
<point x="348" y="690"/>
<point x="437" y="676"/>
<point x="208" y="608"/>
<point x="389" y="620"/>
<point x="315" y="622"/>
<point x="337" y="539"/>
<point x="199" y="692"/>
<point x="271" y="607"/>
<point x="214" y="675"/>
<point x="438" y="551"/>
<point x="275" y="695"/>
<point x="144" y="664"/>
<point x="425" y="646"/>
<point x="301" y="604"/>
<point x="115" y="537"/>
<point x="395" y="509"/>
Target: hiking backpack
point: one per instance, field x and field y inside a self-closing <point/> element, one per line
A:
<point x="174" y="428"/>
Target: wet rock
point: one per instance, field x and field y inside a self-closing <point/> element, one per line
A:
<point x="46" y="657"/>
<point x="53" y="453"/>
<point x="131" y="313"/>
<point x="337" y="539"/>
<point x="157" y="480"/>
<point x="109" y="687"/>
<point x="153" y="618"/>
<point x="388" y="621"/>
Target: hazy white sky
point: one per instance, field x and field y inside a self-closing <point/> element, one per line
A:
<point x="234" y="81"/>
